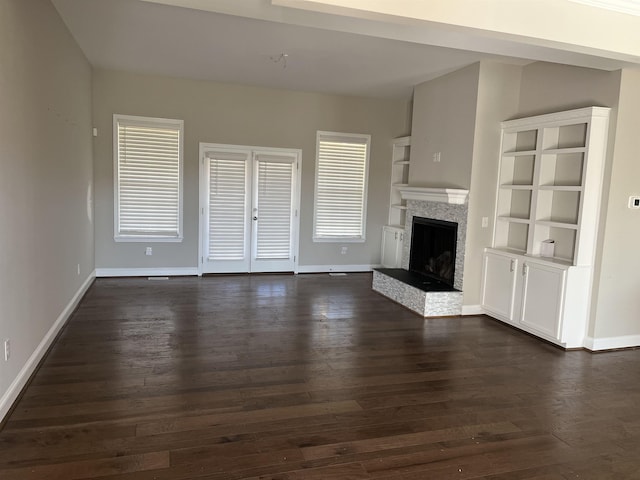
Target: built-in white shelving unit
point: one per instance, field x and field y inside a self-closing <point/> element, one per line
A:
<point x="393" y="233"/>
<point x="549" y="190"/>
<point x="399" y="179"/>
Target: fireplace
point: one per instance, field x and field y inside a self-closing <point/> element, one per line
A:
<point x="432" y="252"/>
<point x="430" y="280"/>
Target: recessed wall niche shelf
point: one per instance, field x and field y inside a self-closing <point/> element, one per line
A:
<point x="548" y="189"/>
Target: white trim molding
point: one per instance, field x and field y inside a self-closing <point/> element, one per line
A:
<point x="472" y="310"/>
<point x="335" y="268"/>
<point x="456" y="196"/>
<point x="21" y="380"/>
<point x="146" y="272"/>
<point x="609" y="343"/>
<point x="568" y="116"/>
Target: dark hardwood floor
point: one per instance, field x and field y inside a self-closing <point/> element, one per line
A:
<point x="312" y="377"/>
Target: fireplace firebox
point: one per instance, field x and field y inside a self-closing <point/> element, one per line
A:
<point x="433" y="250"/>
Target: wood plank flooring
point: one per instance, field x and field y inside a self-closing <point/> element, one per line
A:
<point x="277" y="377"/>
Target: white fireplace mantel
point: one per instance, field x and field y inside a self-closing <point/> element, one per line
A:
<point x="455" y="196"/>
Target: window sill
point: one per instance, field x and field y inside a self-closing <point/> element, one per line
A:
<point x="141" y="239"/>
<point x="338" y="240"/>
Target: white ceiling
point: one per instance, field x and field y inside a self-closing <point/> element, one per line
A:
<point x="238" y="41"/>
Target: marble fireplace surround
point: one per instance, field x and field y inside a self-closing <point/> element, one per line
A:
<point x="440" y="204"/>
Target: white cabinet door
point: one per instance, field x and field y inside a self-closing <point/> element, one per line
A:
<point x="542" y="297"/>
<point x="392" y="242"/>
<point x="499" y="284"/>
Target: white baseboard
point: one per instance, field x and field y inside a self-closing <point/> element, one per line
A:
<point x="27" y="370"/>
<point x="472" y="310"/>
<point x="335" y="268"/>
<point x="608" y="343"/>
<point x="146" y="272"/>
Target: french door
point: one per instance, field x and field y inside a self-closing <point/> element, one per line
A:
<point x="249" y="200"/>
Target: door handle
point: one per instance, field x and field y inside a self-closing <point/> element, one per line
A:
<point x="255" y="218"/>
<point x="513" y="265"/>
<point x="525" y="269"/>
<point x="396" y="235"/>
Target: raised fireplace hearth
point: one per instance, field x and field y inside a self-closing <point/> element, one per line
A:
<point x="430" y="281"/>
<point x="410" y="290"/>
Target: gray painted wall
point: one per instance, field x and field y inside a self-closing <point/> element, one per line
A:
<point x="234" y="114"/>
<point x="617" y="307"/>
<point x="46" y="165"/>
<point x="498" y="93"/>
<point x="444" y="111"/>
<point x="551" y="87"/>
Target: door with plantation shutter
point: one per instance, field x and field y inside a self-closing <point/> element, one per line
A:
<point x="226" y="213"/>
<point x="249" y="205"/>
<point x="273" y="212"/>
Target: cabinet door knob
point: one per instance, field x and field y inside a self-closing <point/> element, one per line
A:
<point x="525" y="269"/>
<point x="396" y="235"/>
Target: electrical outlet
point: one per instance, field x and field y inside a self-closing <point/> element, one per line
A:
<point x="343" y="250"/>
<point x="485" y="222"/>
<point x="148" y="251"/>
<point x="436" y="157"/>
<point x="7" y="349"/>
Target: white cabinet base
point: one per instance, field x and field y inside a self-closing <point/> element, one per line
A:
<point x="538" y="296"/>
<point x="392" y="243"/>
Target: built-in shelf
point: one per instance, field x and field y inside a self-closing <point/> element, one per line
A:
<point x="519" y="153"/>
<point x="511" y="186"/>
<point x="543" y="181"/>
<point x="537" y="276"/>
<point x="557" y="151"/>
<point x="552" y="223"/>
<point x="514" y="219"/>
<point x="393" y="233"/>
<point x="401" y="149"/>
<point x="561" y="188"/>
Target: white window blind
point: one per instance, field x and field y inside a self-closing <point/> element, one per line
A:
<point x="341" y="186"/>
<point x="148" y="164"/>
<point x="227" y="205"/>
<point x="275" y="191"/>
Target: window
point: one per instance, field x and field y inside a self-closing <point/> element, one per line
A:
<point x="148" y="179"/>
<point x="341" y="187"/>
